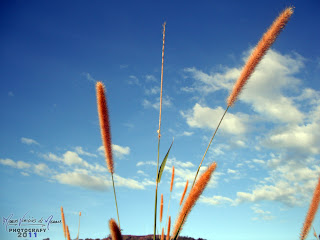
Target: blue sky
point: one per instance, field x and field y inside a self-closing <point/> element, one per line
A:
<point x="267" y="149"/>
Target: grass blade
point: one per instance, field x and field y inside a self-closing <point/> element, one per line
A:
<point x="163" y="164"/>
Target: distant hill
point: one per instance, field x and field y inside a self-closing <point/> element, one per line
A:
<point x="131" y="237"/>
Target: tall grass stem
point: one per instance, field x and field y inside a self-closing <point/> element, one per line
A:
<point x="209" y="146"/>
<point x="159" y="135"/>
<point x="79" y="226"/>
<point x="115" y="199"/>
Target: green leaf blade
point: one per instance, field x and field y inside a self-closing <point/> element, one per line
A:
<point x="163" y="164"/>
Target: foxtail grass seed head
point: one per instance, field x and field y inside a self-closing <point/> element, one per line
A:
<point x="172" y="178"/>
<point x="80" y="214"/>
<point x="193" y="196"/>
<point x="114" y="230"/>
<point x="104" y="124"/>
<point x="162" y="234"/>
<point x="63" y="223"/>
<point x="169" y="225"/>
<point x="260" y="50"/>
<point x="311" y="212"/>
<point x="161" y="207"/>
<point x="184" y="192"/>
<point x="68" y="233"/>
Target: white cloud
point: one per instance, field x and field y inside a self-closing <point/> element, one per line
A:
<point x="72" y="158"/>
<point x="240" y="143"/>
<point x="18" y="164"/>
<point x="142" y="173"/>
<point x="41" y="169"/>
<point x="166" y="102"/>
<point x="89" y="77"/>
<point x="298" y="138"/>
<point x="216" y="200"/>
<point x="281" y="191"/>
<point x="146" y="163"/>
<point x="83" y="180"/>
<point x="80" y="151"/>
<point x="118" y="151"/>
<point x="262" y="215"/>
<point x="133" y="80"/>
<point x="127" y="182"/>
<point x="148" y="182"/>
<point x="152" y="91"/>
<point x="174" y="162"/>
<point x="232" y="171"/>
<point x="258" y="161"/>
<point x="10" y="94"/>
<point x="289" y="183"/>
<point x="186" y="133"/>
<point x="29" y="141"/>
<point x="206" y="83"/>
<point x="122" y="66"/>
<point x="205" y="117"/>
<point x="151" y="78"/>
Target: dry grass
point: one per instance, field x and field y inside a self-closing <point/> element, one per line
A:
<point x="63" y="223"/>
<point x="192" y="198"/>
<point x="161" y="208"/>
<point x="311" y="212"/>
<point x="198" y="186"/>
<point x="169" y="225"/>
<point x="172" y="178"/>
<point x="105" y="133"/>
<point x="184" y="192"/>
<point x="104" y="124"/>
<point x="260" y="50"/>
<point x="68" y="233"/>
<point x="114" y="230"/>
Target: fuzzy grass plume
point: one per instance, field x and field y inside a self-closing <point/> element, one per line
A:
<point x="104" y="125"/>
<point x="162" y="234"/>
<point x="311" y="212"/>
<point x="105" y="133"/>
<point x="168" y="232"/>
<point x="114" y="230"/>
<point x="161" y="208"/>
<point x="68" y="233"/>
<point x="172" y="178"/>
<point x="184" y="192"/>
<point x="63" y="223"/>
<point x="260" y="50"/>
<point x="192" y="198"/>
<point x="171" y="186"/>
